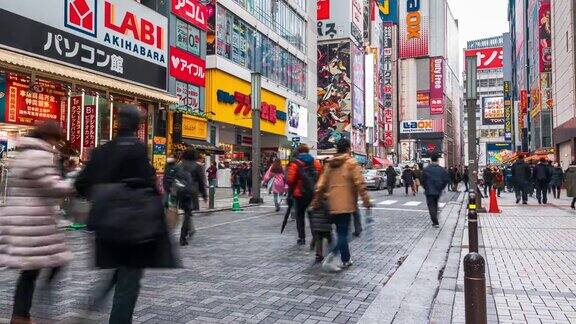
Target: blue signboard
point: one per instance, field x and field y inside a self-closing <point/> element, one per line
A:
<point x="388" y="10"/>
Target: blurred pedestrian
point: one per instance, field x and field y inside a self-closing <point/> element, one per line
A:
<point x="408" y="179"/>
<point x="391" y="179"/>
<point x="236" y="179"/>
<point x="498" y="180"/>
<point x="541" y="178"/>
<point x="212" y="173"/>
<point x="190" y="185"/>
<point x="488" y="178"/>
<point x="339" y="187"/>
<point x="521" y="177"/>
<point x="303" y="173"/>
<point x="30" y="240"/>
<point x="434" y="180"/>
<point x="570" y="177"/>
<point x="466" y="178"/>
<point x="168" y="180"/>
<point x="248" y="174"/>
<point x="417" y="176"/>
<point x="275" y="175"/>
<point x="123" y="163"/>
<point x="557" y="180"/>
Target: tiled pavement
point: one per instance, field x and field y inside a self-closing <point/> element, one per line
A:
<point x="531" y="263"/>
<point x="238" y="269"/>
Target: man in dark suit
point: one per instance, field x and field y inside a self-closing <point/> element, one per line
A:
<point x="434" y="180"/>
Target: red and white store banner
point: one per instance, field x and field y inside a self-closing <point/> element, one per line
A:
<point x="414" y="19"/>
<point x="89" y="131"/>
<point x="487" y="58"/>
<point x="76" y="122"/>
<point x="187" y="67"/>
<point x="191" y="11"/>
<point x="436" y="85"/>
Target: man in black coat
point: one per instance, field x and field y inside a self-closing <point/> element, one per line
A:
<point x="488" y="178"/>
<point x="391" y="179"/>
<point x="117" y="161"/>
<point x="434" y="180"/>
<point x="541" y="178"/>
<point x="521" y="176"/>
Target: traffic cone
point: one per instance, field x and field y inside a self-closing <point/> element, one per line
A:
<point x="494" y="202"/>
<point x="236" y="202"/>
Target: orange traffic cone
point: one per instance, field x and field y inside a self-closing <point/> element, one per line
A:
<point x="493" y="202"/>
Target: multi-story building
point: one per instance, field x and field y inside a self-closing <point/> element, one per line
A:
<point x="490" y="112"/>
<point x="564" y="80"/>
<point x="278" y="39"/>
<point x="530" y="33"/>
<point x="76" y="62"/>
<point x="430" y="91"/>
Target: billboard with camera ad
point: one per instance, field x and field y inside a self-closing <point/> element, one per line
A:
<point x="116" y="38"/>
<point x="493" y="111"/>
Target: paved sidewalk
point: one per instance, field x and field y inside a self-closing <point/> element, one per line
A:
<point x="530" y="264"/>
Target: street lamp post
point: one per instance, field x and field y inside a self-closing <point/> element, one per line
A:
<point x="471" y="97"/>
<point x="256" y="102"/>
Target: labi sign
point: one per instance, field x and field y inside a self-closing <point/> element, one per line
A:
<point x="116" y="37"/>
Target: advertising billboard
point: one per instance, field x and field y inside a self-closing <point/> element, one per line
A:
<point x="545" y="35"/>
<point x="493" y="110"/>
<point x="297" y="119"/>
<point x="422" y="99"/>
<point x="387" y="70"/>
<point x="496" y="151"/>
<point x="334" y="94"/>
<point x="421" y="126"/>
<point x="187" y="67"/>
<point x="388" y="10"/>
<point x="414" y="18"/>
<point x="192" y="12"/>
<point x="323" y="9"/>
<point x="112" y="37"/>
<point x="508" y="108"/>
<point x="436" y="85"/>
<point x="340" y="21"/>
<point x="487" y="58"/>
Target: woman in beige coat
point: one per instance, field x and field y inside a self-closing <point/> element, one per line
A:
<point x="29" y="237"/>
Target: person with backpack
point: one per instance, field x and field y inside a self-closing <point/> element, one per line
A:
<point x="127" y="215"/>
<point x="189" y="183"/>
<point x="303" y="173"/>
<point x="338" y="190"/>
<point x="541" y="179"/>
<point x="29" y="237"/>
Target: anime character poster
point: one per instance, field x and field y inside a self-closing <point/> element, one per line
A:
<point x="334" y="94"/>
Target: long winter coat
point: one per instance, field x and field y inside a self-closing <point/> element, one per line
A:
<point x="570" y="176"/>
<point x="29" y="237"/>
<point x="408" y="177"/>
<point x="340" y="184"/>
<point x="125" y="158"/>
<point x="557" y="177"/>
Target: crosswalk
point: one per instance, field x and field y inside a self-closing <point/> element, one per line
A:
<point x="407" y="203"/>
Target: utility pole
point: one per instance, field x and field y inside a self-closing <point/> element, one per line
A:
<point x="471" y="98"/>
<point x="256" y="102"/>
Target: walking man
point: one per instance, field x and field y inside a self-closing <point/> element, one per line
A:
<point x="541" y="178"/>
<point x="557" y="180"/>
<point x="570" y="176"/>
<point x="466" y="178"/>
<point x="488" y="177"/>
<point x="340" y="185"/>
<point x="434" y="180"/>
<point x="302" y="176"/>
<point x="390" y="179"/>
<point x="521" y="174"/>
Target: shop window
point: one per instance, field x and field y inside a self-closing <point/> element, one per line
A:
<point x="189" y="97"/>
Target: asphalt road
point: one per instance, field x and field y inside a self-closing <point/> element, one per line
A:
<point x="238" y="268"/>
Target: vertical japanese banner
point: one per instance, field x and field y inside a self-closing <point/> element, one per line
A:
<point x="387" y="86"/>
<point x="143" y="127"/>
<point x="507" y="111"/>
<point x="436" y="85"/>
<point x="545" y="36"/>
<point x="89" y="131"/>
<point x="75" y="122"/>
<point x="523" y="108"/>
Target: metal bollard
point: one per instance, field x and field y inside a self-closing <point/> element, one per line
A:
<point x="211" y="194"/>
<point x="472" y="224"/>
<point x="474" y="289"/>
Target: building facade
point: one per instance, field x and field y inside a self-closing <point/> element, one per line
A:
<point x="430" y="91"/>
<point x="564" y="80"/>
<point x="79" y="62"/>
<point x="490" y="107"/>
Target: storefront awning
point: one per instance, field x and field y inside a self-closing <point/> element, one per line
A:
<point x="203" y="146"/>
<point x="381" y="161"/>
<point x="8" y="59"/>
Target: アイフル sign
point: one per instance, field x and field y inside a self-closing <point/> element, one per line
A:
<point x="187" y="67"/>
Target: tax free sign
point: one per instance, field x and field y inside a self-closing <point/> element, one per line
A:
<point x="108" y="36"/>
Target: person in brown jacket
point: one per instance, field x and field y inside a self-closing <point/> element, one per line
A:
<point x="340" y="185"/>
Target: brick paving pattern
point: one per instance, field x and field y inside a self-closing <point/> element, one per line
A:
<point x="243" y="272"/>
<point x="531" y="263"/>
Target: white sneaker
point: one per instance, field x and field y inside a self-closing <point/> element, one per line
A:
<point x="347" y="265"/>
<point x="328" y="265"/>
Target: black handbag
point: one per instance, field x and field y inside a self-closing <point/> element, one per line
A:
<point x="126" y="214"/>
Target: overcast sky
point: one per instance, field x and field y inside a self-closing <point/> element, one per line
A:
<point x="480" y="18"/>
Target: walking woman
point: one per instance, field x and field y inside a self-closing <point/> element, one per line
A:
<point x="275" y="174"/>
<point x="408" y="179"/>
<point x="557" y="179"/>
<point x="570" y="176"/>
<point x="417" y="176"/>
<point x="30" y="239"/>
